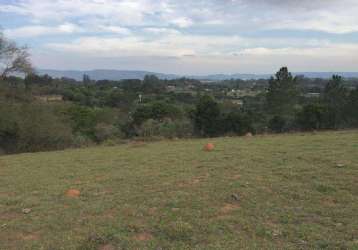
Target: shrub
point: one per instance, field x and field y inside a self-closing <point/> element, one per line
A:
<point x="206" y="117"/>
<point x="104" y="132"/>
<point x="278" y="124"/>
<point x="165" y="129"/>
<point x="237" y="123"/>
<point x="40" y="129"/>
<point x="311" y="117"/>
<point x="32" y="127"/>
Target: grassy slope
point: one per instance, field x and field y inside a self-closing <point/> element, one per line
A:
<point x="172" y="195"/>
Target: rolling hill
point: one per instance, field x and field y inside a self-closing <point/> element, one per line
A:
<point x="129" y="74"/>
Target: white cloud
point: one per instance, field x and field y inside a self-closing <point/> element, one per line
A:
<point x="112" y="29"/>
<point x="161" y="31"/>
<point x="182" y="22"/>
<point x="127" y="46"/>
<point x="333" y="16"/>
<point x="123" y="11"/>
<point x="63" y="29"/>
<point x="38" y="30"/>
<point x="332" y="50"/>
<point x="171" y="28"/>
<point x="178" y="45"/>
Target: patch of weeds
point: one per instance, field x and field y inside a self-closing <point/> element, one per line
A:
<point x="178" y="231"/>
<point x="12" y="201"/>
<point x="322" y="244"/>
<point x="284" y="219"/>
<point x="295" y="196"/>
<point x="95" y="240"/>
<point x="324" y="189"/>
<point x="263" y="232"/>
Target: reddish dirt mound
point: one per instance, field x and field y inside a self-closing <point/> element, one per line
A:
<point x="107" y="247"/>
<point x="143" y="237"/>
<point x="228" y="208"/>
<point x="74" y="193"/>
<point x="30" y="237"/>
<point x="209" y="147"/>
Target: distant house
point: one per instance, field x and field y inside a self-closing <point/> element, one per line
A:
<point x="238" y="102"/>
<point x="190" y="86"/>
<point x="171" y="88"/>
<point x="49" y="98"/>
<point x="233" y="93"/>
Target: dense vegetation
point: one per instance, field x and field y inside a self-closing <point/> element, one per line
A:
<point x="41" y="113"/>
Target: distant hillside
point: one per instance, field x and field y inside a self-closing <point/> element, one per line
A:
<point x="132" y="74"/>
<point x="104" y="74"/>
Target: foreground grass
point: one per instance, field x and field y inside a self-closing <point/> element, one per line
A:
<point x="266" y="192"/>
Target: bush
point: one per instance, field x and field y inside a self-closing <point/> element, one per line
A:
<point x="165" y="129"/>
<point x="278" y="124"/>
<point x="104" y="132"/>
<point x="8" y="128"/>
<point x="30" y="128"/>
<point x="311" y="117"/>
<point x="238" y="123"/>
<point x="157" y="111"/>
<point x="207" y="117"/>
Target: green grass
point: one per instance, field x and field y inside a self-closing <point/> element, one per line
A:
<point x="173" y="195"/>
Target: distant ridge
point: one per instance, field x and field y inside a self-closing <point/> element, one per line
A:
<point x="105" y="74"/>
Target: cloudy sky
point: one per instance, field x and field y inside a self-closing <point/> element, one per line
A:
<point x="186" y="36"/>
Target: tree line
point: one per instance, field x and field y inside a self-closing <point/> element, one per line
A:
<point x="91" y="112"/>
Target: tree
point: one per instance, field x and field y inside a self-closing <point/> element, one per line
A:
<point x="352" y="108"/>
<point x="207" y="116"/>
<point x="238" y="122"/>
<point x="13" y="58"/>
<point x="311" y="117"/>
<point x="335" y="99"/>
<point x="157" y="111"/>
<point x="277" y="124"/>
<point x="152" y="84"/>
<point x="86" y="79"/>
<point x="32" y="79"/>
<point x="283" y="93"/>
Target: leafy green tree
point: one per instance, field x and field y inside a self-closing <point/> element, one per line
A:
<point x="238" y="123"/>
<point x="335" y="98"/>
<point x="157" y="111"/>
<point x="161" y="110"/>
<point x="119" y="99"/>
<point x="83" y="120"/>
<point x="352" y="108"/>
<point x="311" y="117"/>
<point x="278" y="124"/>
<point x="86" y="79"/>
<point x="282" y="95"/>
<point x="141" y="114"/>
<point x="32" y="79"/>
<point x="207" y="117"/>
<point x="152" y="84"/>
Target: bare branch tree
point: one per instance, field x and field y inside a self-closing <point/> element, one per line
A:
<point x="13" y="58"/>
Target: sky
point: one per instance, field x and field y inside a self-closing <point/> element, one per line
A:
<point x="186" y="36"/>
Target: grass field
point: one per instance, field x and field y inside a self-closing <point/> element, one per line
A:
<point x="267" y="192"/>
